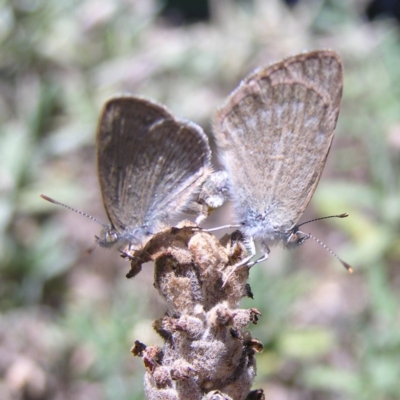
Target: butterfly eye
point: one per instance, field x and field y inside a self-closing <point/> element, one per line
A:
<point x="111" y="237"/>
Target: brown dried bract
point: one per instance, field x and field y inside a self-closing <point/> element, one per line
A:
<point x="205" y="353"/>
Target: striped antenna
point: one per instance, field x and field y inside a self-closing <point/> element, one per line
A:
<point x="344" y="215"/>
<point x="347" y="266"/>
<point x="43" y="196"/>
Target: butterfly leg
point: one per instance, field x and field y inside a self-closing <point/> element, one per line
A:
<point x="222" y="227"/>
<point x="200" y="218"/>
<point x="251" y="247"/>
<point x="263" y="257"/>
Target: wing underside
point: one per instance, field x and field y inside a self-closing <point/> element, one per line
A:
<point x="149" y="163"/>
<point x="274" y="135"/>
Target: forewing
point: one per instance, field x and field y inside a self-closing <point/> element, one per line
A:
<point x="274" y="134"/>
<point x="149" y="164"/>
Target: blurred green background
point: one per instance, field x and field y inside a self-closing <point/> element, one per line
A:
<point x="68" y="319"/>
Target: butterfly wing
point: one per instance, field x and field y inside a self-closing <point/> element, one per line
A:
<point x="149" y="164"/>
<point x="274" y="134"/>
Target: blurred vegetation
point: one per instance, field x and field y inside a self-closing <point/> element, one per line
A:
<point x="68" y="320"/>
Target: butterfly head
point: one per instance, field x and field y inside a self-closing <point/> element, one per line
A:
<point x="108" y="237"/>
<point x="295" y="238"/>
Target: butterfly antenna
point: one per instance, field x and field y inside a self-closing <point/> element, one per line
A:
<point x="344" y="215"/>
<point x="43" y="196"/>
<point x="347" y="266"/>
